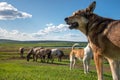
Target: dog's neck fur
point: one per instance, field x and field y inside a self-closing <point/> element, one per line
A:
<point x="94" y="21"/>
<point x="95" y="27"/>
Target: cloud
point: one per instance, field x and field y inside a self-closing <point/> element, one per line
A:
<point x="50" y="32"/>
<point x="14" y="35"/>
<point x="9" y="12"/>
<point x="74" y="37"/>
<point x="50" y="29"/>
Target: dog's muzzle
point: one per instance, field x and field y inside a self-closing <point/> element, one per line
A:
<point x="71" y="25"/>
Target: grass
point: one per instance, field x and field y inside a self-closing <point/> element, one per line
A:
<point x="12" y="67"/>
<point x="20" y="69"/>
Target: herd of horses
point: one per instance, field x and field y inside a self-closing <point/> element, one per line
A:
<point x="45" y="54"/>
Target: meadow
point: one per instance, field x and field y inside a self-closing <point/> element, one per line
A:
<point x="12" y="67"/>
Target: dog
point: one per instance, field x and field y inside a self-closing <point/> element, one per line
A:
<point x="83" y="54"/>
<point x="103" y="35"/>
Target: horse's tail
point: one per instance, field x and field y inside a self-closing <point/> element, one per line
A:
<point x="74" y="45"/>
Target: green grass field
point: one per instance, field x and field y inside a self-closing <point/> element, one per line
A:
<point x="12" y="67"/>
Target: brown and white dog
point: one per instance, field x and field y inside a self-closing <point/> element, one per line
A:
<point x="103" y="35"/>
<point x="83" y="54"/>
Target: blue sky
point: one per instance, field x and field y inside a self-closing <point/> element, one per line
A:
<point x="44" y="19"/>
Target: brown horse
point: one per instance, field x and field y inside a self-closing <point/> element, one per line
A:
<point x="43" y="54"/>
<point x="32" y="52"/>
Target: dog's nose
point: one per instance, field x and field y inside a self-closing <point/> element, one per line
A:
<point x="66" y="19"/>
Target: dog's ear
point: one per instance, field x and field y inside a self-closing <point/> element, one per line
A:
<point x="91" y="7"/>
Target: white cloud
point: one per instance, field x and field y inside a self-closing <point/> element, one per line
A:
<point x="50" y="32"/>
<point x="14" y="35"/>
<point x="74" y="37"/>
<point x="51" y="29"/>
<point x="9" y="12"/>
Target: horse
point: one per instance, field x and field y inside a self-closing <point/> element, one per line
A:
<point x="58" y="53"/>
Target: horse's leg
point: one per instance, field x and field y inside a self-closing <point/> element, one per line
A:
<point x="40" y="58"/>
<point x="52" y="59"/>
<point x="44" y="59"/>
<point x="28" y="56"/>
<point x="34" y="57"/>
<point x="60" y="58"/>
<point x="48" y="58"/>
<point x="22" y="54"/>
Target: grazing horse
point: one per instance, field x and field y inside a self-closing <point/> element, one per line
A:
<point x="58" y="53"/>
<point x="21" y="52"/>
<point x="42" y="53"/>
<point x="33" y="51"/>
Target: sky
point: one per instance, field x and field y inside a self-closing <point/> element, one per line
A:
<point x="27" y="20"/>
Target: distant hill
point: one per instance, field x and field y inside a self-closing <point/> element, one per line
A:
<point x="44" y="41"/>
<point x="7" y="41"/>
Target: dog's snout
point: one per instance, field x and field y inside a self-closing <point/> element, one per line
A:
<point x="66" y="19"/>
